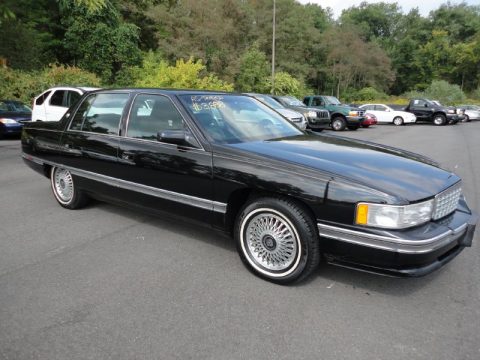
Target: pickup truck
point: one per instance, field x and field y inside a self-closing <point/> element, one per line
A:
<point x="341" y="115"/>
<point x="431" y="111"/>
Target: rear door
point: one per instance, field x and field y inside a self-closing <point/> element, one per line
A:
<point x="382" y="114"/>
<point x="89" y="145"/>
<point x="38" y="111"/>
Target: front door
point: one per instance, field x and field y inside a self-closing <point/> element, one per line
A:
<point x="172" y="178"/>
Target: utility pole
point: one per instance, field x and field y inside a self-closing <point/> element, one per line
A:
<point x="273" y="50"/>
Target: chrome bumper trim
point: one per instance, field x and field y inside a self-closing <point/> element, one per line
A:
<point x="144" y="189"/>
<point x="404" y="246"/>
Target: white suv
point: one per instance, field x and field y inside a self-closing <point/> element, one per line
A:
<point x="54" y="102"/>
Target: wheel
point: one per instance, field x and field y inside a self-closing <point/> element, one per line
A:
<point x="353" y="128"/>
<point x="63" y="187"/>
<point x="439" y="119"/>
<point x="338" y="123"/>
<point x="467" y="118"/>
<point x="277" y="239"/>
<point x="397" y="120"/>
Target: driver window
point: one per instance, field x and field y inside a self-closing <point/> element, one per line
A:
<point x="152" y="114"/>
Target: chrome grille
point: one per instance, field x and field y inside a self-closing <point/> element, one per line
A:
<point x="323" y="114"/>
<point x="361" y="113"/>
<point x="446" y="202"/>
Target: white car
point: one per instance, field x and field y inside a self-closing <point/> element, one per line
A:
<point x="387" y="115"/>
<point x="295" y="117"/>
<point x="53" y="103"/>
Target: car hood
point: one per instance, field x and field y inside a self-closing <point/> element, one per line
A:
<point x="290" y="114"/>
<point x="396" y="172"/>
<point x="18" y="116"/>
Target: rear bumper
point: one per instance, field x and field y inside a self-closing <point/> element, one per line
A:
<point x="414" y="252"/>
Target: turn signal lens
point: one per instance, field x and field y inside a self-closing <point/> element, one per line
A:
<point x="362" y="214"/>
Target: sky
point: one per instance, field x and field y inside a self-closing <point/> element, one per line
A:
<point x="425" y="6"/>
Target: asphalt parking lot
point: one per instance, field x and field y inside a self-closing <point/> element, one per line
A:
<point x="109" y="283"/>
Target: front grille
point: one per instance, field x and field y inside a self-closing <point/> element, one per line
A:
<point x="447" y="201"/>
<point x="323" y="114"/>
<point x="361" y="113"/>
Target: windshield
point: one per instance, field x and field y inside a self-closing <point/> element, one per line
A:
<point x="267" y="100"/>
<point x="229" y="119"/>
<point x="291" y="101"/>
<point x="332" y="100"/>
<point x="14" y="106"/>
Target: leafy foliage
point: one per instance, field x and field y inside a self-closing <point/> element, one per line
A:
<point x="440" y="90"/>
<point x="189" y="74"/>
<point x="285" y="84"/>
<point x="254" y="68"/>
<point x="24" y="86"/>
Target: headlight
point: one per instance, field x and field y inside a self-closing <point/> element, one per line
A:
<point x="312" y="114"/>
<point x="451" y="111"/>
<point x="353" y="113"/>
<point x="393" y="216"/>
<point x="7" y="121"/>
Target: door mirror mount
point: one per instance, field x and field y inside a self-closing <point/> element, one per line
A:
<point x="176" y="137"/>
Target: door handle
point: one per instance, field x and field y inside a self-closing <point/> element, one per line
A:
<point x="127" y="155"/>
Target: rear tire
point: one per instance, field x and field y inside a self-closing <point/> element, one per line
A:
<point x="277" y="239"/>
<point x="64" y="189"/>
<point x="339" y="123"/>
<point x="398" y="121"/>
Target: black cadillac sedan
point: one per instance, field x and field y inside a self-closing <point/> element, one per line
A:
<point x="289" y="198"/>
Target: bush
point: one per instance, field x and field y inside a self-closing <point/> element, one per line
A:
<point x="285" y="84"/>
<point x="365" y="94"/>
<point x="190" y="74"/>
<point x="24" y="86"/>
<point x="440" y="90"/>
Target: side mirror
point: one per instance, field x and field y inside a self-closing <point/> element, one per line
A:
<point x="426" y="105"/>
<point x="176" y="137"/>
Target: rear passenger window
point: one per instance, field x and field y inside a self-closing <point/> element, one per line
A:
<point x="72" y="98"/>
<point x="41" y="99"/>
<point x="152" y="114"/>
<point x="100" y="113"/>
<point x="57" y="98"/>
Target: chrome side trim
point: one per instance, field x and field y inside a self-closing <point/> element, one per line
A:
<point x="405" y="246"/>
<point x="144" y="189"/>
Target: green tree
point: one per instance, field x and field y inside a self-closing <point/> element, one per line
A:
<point x="254" y="68"/>
<point x="285" y="84"/>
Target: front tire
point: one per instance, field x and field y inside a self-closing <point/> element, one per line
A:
<point x="398" y="121"/>
<point x="64" y="189"/>
<point x="439" y="120"/>
<point x="339" y="123"/>
<point x="277" y="239"/>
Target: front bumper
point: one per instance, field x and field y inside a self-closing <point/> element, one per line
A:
<point x="455" y="117"/>
<point x="11" y="129"/>
<point x="411" y="252"/>
<point x="318" y="123"/>
<point x="355" y="120"/>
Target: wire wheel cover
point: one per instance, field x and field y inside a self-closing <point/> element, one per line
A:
<point x="63" y="183"/>
<point x="271" y="241"/>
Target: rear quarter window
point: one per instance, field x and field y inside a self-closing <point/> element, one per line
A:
<point x="41" y="99"/>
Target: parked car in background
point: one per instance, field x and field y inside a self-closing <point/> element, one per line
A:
<point x="472" y="112"/>
<point x="427" y="110"/>
<point x="317" y="119"/>
<point x="452" y="110"/>
<point x="294" y="116"/>
<point x="290" y="198"/>
<point x="370" y="119"/>
<point x="13" y="114"/>
<point x="53" y="103"/>
<point x="387" y="115"/>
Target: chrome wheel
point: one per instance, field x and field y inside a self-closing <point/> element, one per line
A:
<point x="398" y="121"/>
<point x="62" y="182"/>
<point x="338" y="124"/>
<point x="439" y="120"/>
<point x="270" y="242"/>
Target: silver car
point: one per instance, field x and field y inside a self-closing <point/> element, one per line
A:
<point x="295" y="117"/>
<point x="472" y="112"/>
